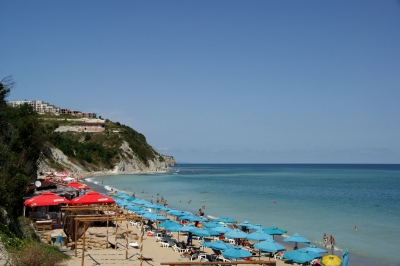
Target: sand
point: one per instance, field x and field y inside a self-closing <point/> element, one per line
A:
<point x="151" y="250"/>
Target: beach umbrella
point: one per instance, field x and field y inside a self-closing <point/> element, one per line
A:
<point x="45" y="199"/>
<point x="274" y="231"/>
<point x="301" y="256"/>
<point x="188" y="228"/>
<point x="331" y="260"/>
<point x="133" y="208"/>
<point x="176" y="213"/>
<point x="258" y="236"/>
<point x="222" y="229"/>
<point x="224" y="220"/>
<point x="191" y="218"/>
<point x="205" y="232"/>
<point x="345" y="258"/>
<point x="217" y="245"/>
<point x="236" y="253"/>
<point x="211" y="225"/>
<point x="269" y="245"/>
<point x="246" y="224"/>
<point x="140" y="201"/>
<point x="174" y="228"/>
<point x="122" y="195"/>
<point x="77" y="185"/>
<point x="92" y="197"/>
<point x="154" y="206"/>
<point x="130" y="199"/>
<point x="142" y="212"/>
<point x="235" y="233"/>
<point x="297" y="239"/>
<point x="120" y="202"/>
<point x="168" y="223"/>
<point x="314" y="249"/>
<point x="257" y="227"/>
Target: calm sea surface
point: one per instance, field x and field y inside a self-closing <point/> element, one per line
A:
<point x="306" y="199"/>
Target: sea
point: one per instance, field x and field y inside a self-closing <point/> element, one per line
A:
<point x="308" y="199"/>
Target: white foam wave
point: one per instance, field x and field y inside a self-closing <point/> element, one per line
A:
<point x="89" y="179"/>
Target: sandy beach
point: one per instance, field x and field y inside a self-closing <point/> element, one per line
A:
<point x="152" y="251"/>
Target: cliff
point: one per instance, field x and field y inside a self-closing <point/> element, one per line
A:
<point x="117" y="150"/>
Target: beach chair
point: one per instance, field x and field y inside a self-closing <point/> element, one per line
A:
<point x="165" y="244"/>
<point x="278" y="256"/>
<point x="231" y="241"/>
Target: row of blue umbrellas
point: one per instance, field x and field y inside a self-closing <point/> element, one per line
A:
<point x="218" y="227"/>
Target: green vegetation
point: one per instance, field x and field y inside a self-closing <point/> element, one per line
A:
<point x="21" y="141"/>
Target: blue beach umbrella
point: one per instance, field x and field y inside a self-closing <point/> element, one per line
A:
<point x="222" y="229"/>
<point x="211" y="225"/>
<point x="130" y="198"/>
<point x="258" y="236"/>
<point x="224" y="220"/>
<point x="142" y="212"/>
<point x="205" y="232"/>
<point x="235" y="233"/>
<point x="174" y="228"/>
<point x="345" y="258"/>
<point x="217" y="245"/>
<point x="314" y="249"/>
<point x="133" y="208"/>
<point x="269" y="245"/>
<point x="167" y="224"/>
<point x="257" y="227"/>
<point x="245" y="223"/>
<point x="140" y="201"/>
<point x="297" y="239"/>
<point x="175" y="213"/>
<point x="274" y="231"/>
<point x="188" y="228"/>
<point x="191" y="218"/>
<point x="301" y="256"/>
<point x="236" y="253"/>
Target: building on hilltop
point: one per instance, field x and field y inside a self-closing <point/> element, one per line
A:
<point x="43" y="107"/>
<point x="91" y="126"/>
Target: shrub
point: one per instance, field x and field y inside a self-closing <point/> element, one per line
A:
<point x="37" y="254"/>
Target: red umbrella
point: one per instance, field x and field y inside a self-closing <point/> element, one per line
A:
<point x="92" y="197"/>
<point x="77" y="185"/>
<point x="45" y="199"/>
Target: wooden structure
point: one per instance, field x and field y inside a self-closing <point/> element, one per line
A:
<point x="87" y="220"/>
<point x="43" y="225"/>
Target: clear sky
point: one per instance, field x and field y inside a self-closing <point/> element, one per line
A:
<point x="219" y="81"/>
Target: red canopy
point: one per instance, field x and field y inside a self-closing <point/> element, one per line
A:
<point x="77" y="185"/>
<point x="45" y="199"/>
<point x="92" y="197"/>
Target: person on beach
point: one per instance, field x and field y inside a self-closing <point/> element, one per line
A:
<point x="325" y="240"/>
<point x="234" y="225"/>
<point x="332" y="239"/>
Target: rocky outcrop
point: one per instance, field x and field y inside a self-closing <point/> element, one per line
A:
<point x="128" y="163"/>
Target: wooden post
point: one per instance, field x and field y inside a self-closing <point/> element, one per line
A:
<point x="76" y="236"/>
<point x="83" y="245"/>
<point x="141" y="243"/>
<point x="116" y="233"/>
<point x="107" y="235"/>
<point x="126" y="237"/>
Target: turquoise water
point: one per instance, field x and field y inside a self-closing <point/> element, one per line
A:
<point x="307" y="199"/>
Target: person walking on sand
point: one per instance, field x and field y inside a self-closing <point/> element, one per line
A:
<point x="325" y="240"/>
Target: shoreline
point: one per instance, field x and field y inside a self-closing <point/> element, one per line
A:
<point x="355" y="260"/>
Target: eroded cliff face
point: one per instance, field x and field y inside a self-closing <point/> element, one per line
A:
<point x="128" y="163"/>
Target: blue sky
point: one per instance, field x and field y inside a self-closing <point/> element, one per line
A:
<point x="219" y="81"/>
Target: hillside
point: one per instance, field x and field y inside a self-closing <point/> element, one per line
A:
<point x="117" y="149"/>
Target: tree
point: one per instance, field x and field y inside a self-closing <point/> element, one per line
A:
<point x="21" y="141"/>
